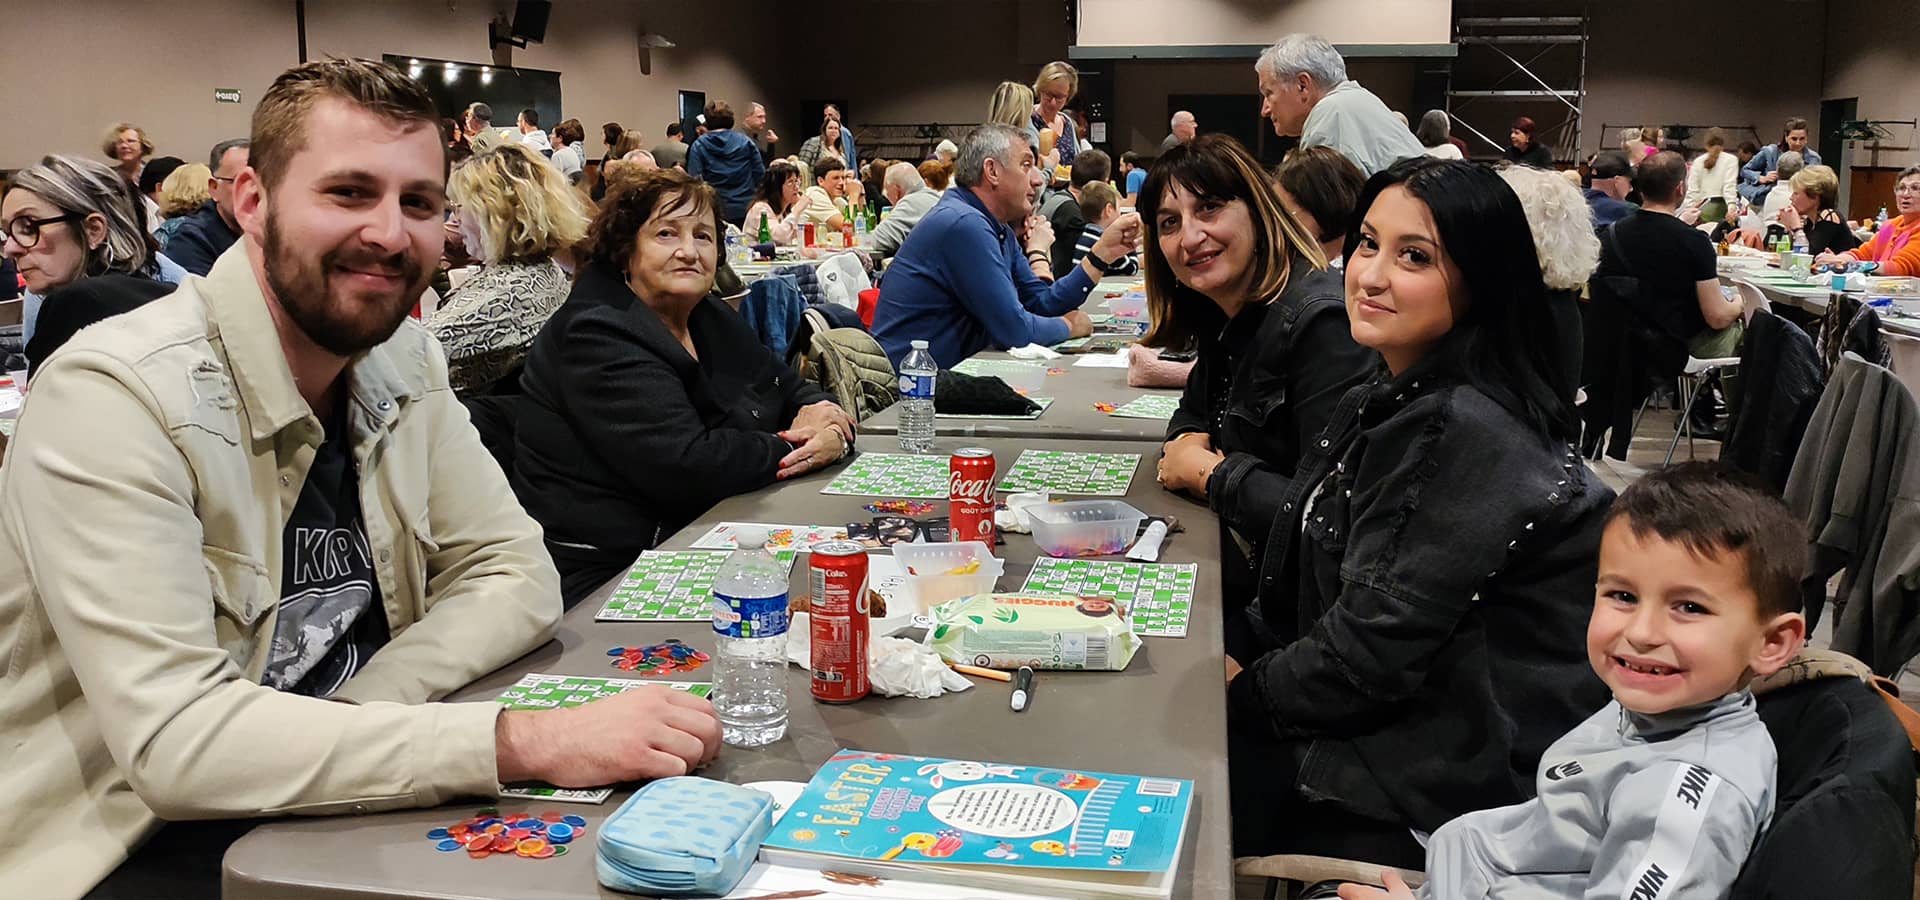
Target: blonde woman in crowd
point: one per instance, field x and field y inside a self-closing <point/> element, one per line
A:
<point x="128" y="147"/>
<point x="517" y="214"/>
<point x="183" y="193"/>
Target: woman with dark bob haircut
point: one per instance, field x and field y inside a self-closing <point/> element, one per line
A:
<point x="1229" y="269"/>
<point x="1424" y="593"/>
<point x="646" y="400"/>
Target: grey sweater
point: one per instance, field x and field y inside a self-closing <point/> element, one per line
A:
<point x="1629" y="806"/>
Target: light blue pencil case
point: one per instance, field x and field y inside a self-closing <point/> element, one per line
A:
<point x="683" y="835"/>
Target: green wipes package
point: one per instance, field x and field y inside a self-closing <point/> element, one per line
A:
<point x="1045" y="631"/>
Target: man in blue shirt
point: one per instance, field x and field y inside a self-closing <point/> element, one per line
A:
<point x="1612" y="180"/>
<point x="211" y="229"/>
<point x="961" y="281"/>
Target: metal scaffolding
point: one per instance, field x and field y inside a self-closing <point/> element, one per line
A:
<point x="1512" y="65"/>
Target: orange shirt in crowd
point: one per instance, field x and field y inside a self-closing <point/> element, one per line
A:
<point x="1896" y="247"/>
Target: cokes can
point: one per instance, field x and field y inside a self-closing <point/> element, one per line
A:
<point x="807" y="235"/>
<point x="838" y="614"/>
<point x="970" y="495"/>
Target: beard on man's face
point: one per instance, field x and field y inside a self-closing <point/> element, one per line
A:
<point x="341" y="320"/>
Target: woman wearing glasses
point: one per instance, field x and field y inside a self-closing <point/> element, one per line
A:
<point x="1893" y="247"/>
<point x="73" y="229"/>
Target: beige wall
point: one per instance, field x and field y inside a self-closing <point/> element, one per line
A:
<point x="1141" y="89"/>
<point x="1107" y="23"/>
<point x="169" y="58"/>
<point x="1874" y="60"/>
<point x="1762" y="65"/>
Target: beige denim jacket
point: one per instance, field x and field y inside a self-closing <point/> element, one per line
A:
<point x="141" y="510"/>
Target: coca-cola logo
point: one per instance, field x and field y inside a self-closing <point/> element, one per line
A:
<point x="964" y="488"/>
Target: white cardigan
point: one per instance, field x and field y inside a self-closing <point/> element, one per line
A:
<point x="1705" y="183"/>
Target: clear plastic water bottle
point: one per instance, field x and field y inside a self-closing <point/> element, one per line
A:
<point x="1880" y="221"/>
<point x="859" y="230"/>
<point x="917" y="374"/>
<point x="750" y="631"/>
<point x="1800" y="244"/>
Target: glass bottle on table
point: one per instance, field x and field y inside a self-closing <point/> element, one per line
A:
<point x="766" y="231"/>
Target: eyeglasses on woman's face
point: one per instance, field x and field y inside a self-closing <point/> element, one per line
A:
<point x="25" y="230"/>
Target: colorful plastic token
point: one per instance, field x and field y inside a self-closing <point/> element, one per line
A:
<point x="503" y="844"/>
<point x="437" y="834"/>
<point x="576" y="821"/>
<point x="448" y="845"/>
<point x="495" y="828"/>
<point x="550" y="817"/>
<point x="480" y="854"/>
<point x="530" y="846"/>
<point x="557" y="851"/>
<point x="559" y="833"/>
<point x="480" y="843"/>
<point x="545" y="852"/>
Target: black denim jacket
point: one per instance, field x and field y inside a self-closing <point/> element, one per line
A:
<point x="1440" y="582"/>
<point x="1263" y="386"/>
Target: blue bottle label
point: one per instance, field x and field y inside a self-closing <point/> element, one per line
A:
<point x="750" y="617"/>
<point x="916" y="387"/>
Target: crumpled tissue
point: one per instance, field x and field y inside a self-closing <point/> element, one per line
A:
<point x="896" y="667"/>
<point x="1017" y="517"/>
<point x="1033" y="351"/>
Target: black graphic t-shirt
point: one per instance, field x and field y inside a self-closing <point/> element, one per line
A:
<point x="329" y="624"/>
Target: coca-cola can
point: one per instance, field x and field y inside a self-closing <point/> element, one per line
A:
<point x="838" y="626"/>
<point x="807" y="235"/>
<point x="970" y="495"/>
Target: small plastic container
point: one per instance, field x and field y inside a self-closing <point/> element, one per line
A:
<point x="929" y="587"/>
<point x="1024" y="379"/>
<point x="1085" y="527"/>
<point x="1128" y="306"/>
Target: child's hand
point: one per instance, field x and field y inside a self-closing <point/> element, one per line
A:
<point x="1396" y="889"/>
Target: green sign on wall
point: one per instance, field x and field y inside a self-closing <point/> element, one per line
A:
<point x="226" y="95"/>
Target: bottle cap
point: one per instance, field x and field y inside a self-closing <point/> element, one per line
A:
<point x="919" y="345"/>
<point x="750" y="536"/>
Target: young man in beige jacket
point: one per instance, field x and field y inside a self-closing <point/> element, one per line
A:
<point x="247" y="536"/>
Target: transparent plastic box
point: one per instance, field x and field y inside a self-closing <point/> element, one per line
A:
<point x="929" y="587"/>
<point x="1085" y="527"/>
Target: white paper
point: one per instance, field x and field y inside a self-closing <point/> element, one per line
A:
<point x="798" y="538"/>
<point x="1117" y="360"/>
<point x="1097" y="132"/>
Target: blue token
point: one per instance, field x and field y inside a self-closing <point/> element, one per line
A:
<point x="437" y="834"/>
<point x="575" y="821"/>
<point x="559" y="833"/>
<point x="448" y="846"/>
<point x="537" y="825"/>
<point x="617" y="651"/>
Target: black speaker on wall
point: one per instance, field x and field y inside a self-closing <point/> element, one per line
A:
<point x="530" y="19"/>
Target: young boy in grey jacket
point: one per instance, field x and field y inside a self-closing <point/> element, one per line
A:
<point x="1664" y="791"/>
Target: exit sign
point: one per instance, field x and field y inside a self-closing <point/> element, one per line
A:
<point x="226" y="95"/>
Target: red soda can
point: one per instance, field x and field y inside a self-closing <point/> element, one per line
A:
<point x="838" y="621"/>
<point x="970" y="495"/>
<point x="807" y="235"/>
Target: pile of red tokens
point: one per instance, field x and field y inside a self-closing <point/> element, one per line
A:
<point x="516" y="834"/>
<point x="658" y="659"/>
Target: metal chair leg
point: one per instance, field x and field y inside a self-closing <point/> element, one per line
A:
<point x="1686" y="409"/>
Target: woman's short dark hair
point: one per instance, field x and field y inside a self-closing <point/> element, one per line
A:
<point x="570" y="131"/>
<point x="1498" y="344"/>
<point x="610" y="133"/>
<point x="1217" y="167"/>
<point x="773" y="184"/>
<point x="611" y="238"/>
<point x="719" y="115"/>
<point x="1326" y="184"/>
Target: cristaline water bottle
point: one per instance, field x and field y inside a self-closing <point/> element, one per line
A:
<point x="917" y="375"/>
<point x="750" y="631"/>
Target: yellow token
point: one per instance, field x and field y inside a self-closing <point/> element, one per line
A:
<point x="530" y="846"/>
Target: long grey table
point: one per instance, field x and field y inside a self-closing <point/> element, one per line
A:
<point x="1072" y="415"/>
<point x="1165" y="715"/>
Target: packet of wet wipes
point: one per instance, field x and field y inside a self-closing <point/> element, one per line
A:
<point x="1044" y="631"/>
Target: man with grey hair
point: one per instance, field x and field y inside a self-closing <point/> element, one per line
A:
<point x="961" y="281"/>
<point x="1180" y="130"/>
<point x="754" y="126"/>
<point x="212" y="228"/>
<point x="1775" y="200"/>
<point x="910" y="199"/>
<point x="1305" y="90"/>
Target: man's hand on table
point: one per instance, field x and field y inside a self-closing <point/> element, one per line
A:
<point x="632" y="736"/>
<point x="1187" y="461"/>
<point x="1078" y="324"/>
